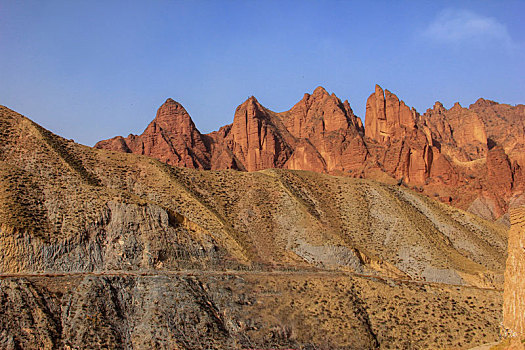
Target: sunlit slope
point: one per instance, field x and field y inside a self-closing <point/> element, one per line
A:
<point x="68" y="207"/>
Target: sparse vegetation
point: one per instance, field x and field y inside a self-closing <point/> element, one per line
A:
<point x="351" y="258"/>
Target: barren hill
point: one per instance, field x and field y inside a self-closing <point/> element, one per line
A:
<point x="73" y="208"/>
<point x="120" y="250"/>
<point x="470" y="157"/>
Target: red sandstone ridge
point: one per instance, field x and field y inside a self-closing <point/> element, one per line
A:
<point x="329" y="134"/>
<point x="401" y="148"/>
<point x="320" y="133"/>
<point x="459" y="131"/>
<point x="171" y="137"/>
<point x="472" y="157"/>
<point x="388" y="117"/>
<point x="255" y="139"/>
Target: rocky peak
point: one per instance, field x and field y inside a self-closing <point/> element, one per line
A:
<point x="459" y="130"/>
<point x="254" y="138"/>
<point x="321" y="133"/>
<point x="249" y="109"/>
<point x="320" y="92"/>
<point x="387" y="116"/>
<point x="457" y="105"/>
<point x="171" y="137"/>
<point x="172" y="117"/>
<point x="438" y="108"/>
<point x="318" y="113"/>
<point x="482" y="103"/>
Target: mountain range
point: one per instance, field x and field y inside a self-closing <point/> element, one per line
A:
<point x="104" y="249"/>
<point x="472" y="158"/>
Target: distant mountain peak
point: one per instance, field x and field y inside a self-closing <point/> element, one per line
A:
<point x="321" y="133"/>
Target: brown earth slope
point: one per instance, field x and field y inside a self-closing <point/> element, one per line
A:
<point x="471" y="158"/>
<point x="364" y="264"/>
<point x="243" y="311"/>
<point x="75" y="208"/>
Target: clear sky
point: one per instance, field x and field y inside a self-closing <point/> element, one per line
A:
<point x="91" y="70"/>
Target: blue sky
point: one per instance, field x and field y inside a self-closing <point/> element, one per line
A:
<point x="90" y="70"/>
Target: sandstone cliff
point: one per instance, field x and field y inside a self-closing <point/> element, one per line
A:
<point x="387" y="117"/>
<point x="514" y="295"/>
<point x="171" y="137"/>
<point x="320" y="133"/>
<point x="472" y="158"/>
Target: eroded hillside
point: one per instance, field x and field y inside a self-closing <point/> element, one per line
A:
<point x="123" y="251"/>
<point x="80" y="209"/>
<point x="243" y="310"/>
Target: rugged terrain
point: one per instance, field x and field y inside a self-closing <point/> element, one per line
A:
<point x="243" y="310"/>
<point x="117" y="250"/>
<point x="470" y="157"/>
<point x="513" y="312"/>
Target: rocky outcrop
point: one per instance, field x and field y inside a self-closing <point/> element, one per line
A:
<point x="123" y="237"/>
<point x="514" y="295"/>
<point x="387" y="117"/>
<point x="254" y="138"/>
<point x="473" y="158"/>
<point x="446" y="152"/>
<point x="320" y="133"/>
<point x="329" y="134"/>
<point x="499" y="172"/>
<point x="505" y="126"/>
<point x="171" y="137"/>
<point x="459" y="132"/>
<point x="403" y="150"/>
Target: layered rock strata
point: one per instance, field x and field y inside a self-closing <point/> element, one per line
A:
<point x="472" y="158"/>
<point x="514" y="295"/>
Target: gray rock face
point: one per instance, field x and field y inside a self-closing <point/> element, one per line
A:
<point x="124" y="237"/>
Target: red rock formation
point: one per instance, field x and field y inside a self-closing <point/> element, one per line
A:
<point x="499" y="172"/>
<point x="505" y="126"/>
<point x="255" y="140"/>
<point x="328" y="133"/>
<point x="459" y="131"/>
<point x="404" y="151"/>
<point x="387" y="117"/>
<point x="171" y="137"/>
<point x="444" y="153"/>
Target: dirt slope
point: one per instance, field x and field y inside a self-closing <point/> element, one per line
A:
<point x="363" y="264"/>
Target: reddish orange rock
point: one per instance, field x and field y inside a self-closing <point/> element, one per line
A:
<point x="171" y="137"/>
<point x="499" y="172"/>
<point x="444" y="153"/>
<point x="387" y="117"/>
<point x="459" y="131"/>
<point x="505" y="126"/>
<point x="329" y="135"/>
<point x="255" y="139"/>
